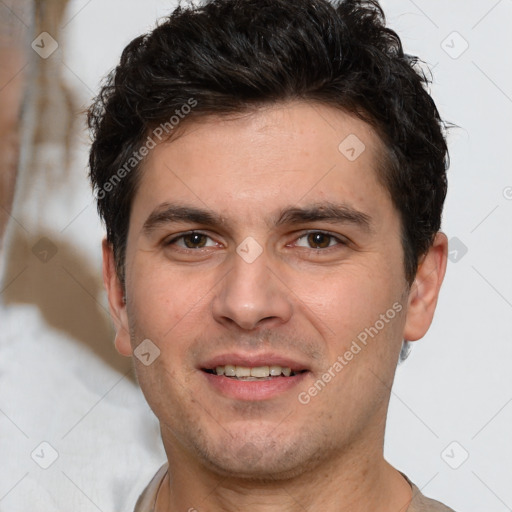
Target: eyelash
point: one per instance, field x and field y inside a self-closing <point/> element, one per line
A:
<point x="332" y="237"/>
<point x="340" y="241"/>
<point x="182" y="236"/>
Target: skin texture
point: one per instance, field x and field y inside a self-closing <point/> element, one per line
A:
<point x="295" y="300"/>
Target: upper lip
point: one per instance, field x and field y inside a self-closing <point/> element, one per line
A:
<point x="253" y="360"/>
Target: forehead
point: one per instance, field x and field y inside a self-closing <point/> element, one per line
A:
<point x="249" y="164"/>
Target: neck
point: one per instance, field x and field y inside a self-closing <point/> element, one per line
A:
<point x="354" y="482"/>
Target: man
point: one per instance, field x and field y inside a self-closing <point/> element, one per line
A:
<point x="272" y="176"/>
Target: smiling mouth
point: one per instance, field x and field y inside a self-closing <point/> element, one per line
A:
<point x="256" y="373"/>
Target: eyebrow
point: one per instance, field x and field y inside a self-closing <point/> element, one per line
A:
<point x="326" y="212"/>
<point x="335" y="213"/>
<point x="167" y="213"/>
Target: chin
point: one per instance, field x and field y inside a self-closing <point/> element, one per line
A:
<point x="266" y="460"/>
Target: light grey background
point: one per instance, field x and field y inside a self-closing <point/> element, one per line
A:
<point x="62" y="382"/>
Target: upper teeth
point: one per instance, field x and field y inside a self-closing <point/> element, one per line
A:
<point x="258" y="371"/>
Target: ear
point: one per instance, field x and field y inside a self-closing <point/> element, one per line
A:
<point x="116" y="300"/>
<point x="425" y="289"/>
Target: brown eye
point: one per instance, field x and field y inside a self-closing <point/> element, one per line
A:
<point x="192" y="240"/>
<point x="195" y="240"/>
<point x="319" y="240"/>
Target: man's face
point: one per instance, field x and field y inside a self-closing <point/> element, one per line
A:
<point x="265" y="280"/>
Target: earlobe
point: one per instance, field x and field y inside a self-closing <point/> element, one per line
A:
<point x="122" y="344"/>
<point x="117" y="304"/>
<point x="425" y="289"/>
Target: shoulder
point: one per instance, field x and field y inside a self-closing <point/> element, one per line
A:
<point x="421" y="503"/>
<point x="147" y="500"/>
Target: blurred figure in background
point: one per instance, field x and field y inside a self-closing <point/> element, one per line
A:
<point x="13" y="73"/>
<point x="64" y="391"/>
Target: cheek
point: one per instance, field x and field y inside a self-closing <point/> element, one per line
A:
<point x="164" y="302"/>
<point x="346" y="301"/>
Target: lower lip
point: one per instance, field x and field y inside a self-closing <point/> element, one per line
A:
<point x="253" y="389"/>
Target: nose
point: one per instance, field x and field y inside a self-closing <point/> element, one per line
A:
<point x="252" y="296"/>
